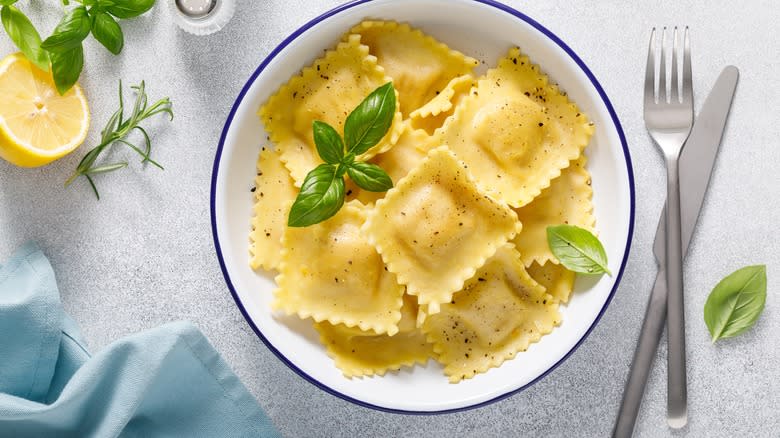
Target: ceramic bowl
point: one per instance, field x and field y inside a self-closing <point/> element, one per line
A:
<point x="482" y="29"/>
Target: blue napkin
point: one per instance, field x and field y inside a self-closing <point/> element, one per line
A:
<point x="164" y="382"/>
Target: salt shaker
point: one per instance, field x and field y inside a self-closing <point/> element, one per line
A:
<point x="201" y="17"/>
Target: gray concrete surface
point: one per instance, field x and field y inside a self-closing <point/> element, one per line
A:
<point x="144" y="255"/>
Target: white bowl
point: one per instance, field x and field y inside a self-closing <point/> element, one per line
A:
<point x="485" y="30"/>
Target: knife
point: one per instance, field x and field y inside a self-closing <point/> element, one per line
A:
<point x="696" y="162"/>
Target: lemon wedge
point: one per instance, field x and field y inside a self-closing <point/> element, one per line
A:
<point x="37" y="125"/>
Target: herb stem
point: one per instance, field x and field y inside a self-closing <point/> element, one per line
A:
<point x="117" y="129"/>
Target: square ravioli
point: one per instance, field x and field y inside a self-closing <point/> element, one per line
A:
<point x="433" y="114"/>
<point x="358" y="353"/>
<point x="273" y="191"/>
<point x="435" y="229"/>
<point x="566" y="201"/>
<point x="420" y="66"/>
<point x="556" y="279"/>
<point x="411" y="148"/>
<point x="516" y="131"/>
<point x="499" y="313"/>
<point x="328" y="91"/>
<point x="329" y="272"/>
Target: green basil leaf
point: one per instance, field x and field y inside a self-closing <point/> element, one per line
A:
<point x="70" y="32"/>
<point x="128" y="8"/>
<point x="23" y="34"/>
<point x="370" y="177"/>
<point x="736" y="302"/>
<point x="369" y="122"/>
<point x="321" y="197"/>
<point x="577" y="249"/>
<point x="7" y="2"/>
<point x="107" y="31"/>
<point x="328" y="141"/>
<point x="66" y="68"/>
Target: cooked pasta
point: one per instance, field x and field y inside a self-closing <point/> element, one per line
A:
<point x="452" y="263"/>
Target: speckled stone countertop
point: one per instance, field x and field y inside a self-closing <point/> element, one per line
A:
<point x="144" y="255"/>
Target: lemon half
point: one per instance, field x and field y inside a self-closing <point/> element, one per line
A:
<point x="37" y="125"/>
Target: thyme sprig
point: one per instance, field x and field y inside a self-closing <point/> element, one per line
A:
<point x="116" y="131"/>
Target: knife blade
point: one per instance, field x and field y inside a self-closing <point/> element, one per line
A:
<point x="696" y="163"/>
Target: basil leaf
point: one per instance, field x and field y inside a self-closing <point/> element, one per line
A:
<point x="7" y="2"/>
<point x="70" y="32"/>
<point x="328" y="141"/>
<point x="23" y="34"/>
<point x="107" y="31"/>
<point x="321" y="196"/>
<point x="736" y="302"/>
<point x="577" y="249"/>
<point x="128" y="8"/>
<point x="370" y="177"/>
<point x="66" y="68"/>
<point x="369" y="122"/>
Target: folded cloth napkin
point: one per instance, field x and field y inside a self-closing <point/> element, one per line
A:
<point x="164" y="382"/>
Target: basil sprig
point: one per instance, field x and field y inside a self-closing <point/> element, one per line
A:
<point x="577" y="249"/>
<point x="736" y="302"/>
<point x="63" y="48"/>
<point x="70" y="32"/>
<point x="322" y="192"/>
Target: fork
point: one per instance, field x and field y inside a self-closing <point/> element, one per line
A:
<point x="668" y="118"/>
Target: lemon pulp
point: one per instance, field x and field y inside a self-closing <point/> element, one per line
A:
<point x="37" y="125"/>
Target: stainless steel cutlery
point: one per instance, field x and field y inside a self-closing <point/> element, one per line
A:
<point x="668" y="114"/>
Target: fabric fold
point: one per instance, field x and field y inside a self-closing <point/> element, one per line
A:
<point x="166" y="381"/>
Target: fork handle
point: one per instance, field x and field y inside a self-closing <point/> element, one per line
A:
<point x="677" y="395"/>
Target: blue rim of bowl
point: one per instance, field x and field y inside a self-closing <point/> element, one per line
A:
<point x="321" y="385"/>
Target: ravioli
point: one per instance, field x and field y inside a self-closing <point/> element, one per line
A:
<point x="420" y="66"/>
<point x="566" y="201"/>
<point x="433" y="114"/>
<point x="273" y="191"/>
<point x="452" y="263"/>
<point x="328" y="91"/>
<point x="408" y="152"/>
<point x="516" y="131"/>
<point x="360" y="353"/>
<point x="329" y="272"/>
<point x="435" y="229"/>
<point x="556" y="279"/>
<point x="499" y="313"/>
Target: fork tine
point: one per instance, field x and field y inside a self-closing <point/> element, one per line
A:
<point x="662" y="71"/>
<point x="687" y="82"/>
<point x="674" y="86"/>
<point x="650" y="72"/>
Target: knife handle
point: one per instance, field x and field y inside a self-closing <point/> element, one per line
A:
<point x="652" y="327"/>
